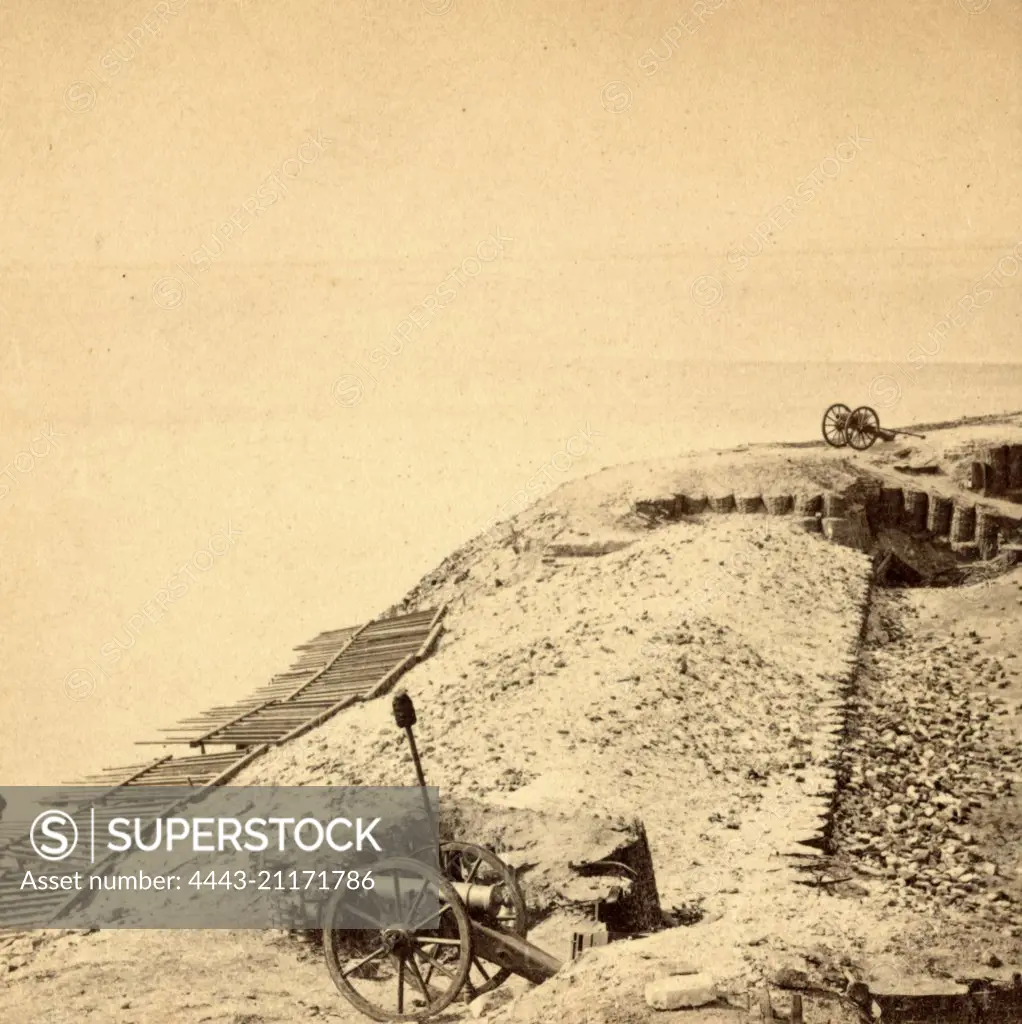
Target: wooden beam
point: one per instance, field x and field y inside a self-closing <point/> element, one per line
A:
<point x="351" y="639"/>
<point x="231" y="771"/>
<point x="318" y="720"/>
<point x="392" y="676"/>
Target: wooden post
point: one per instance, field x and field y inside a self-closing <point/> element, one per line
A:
<point x="963" y="523"/>
<point x="938" y="518"/>
<point x="808" y="504"/>
<point x="779" y="504"/>
<point x="834" y="505"/>
<point x="1015" y="467"/>
<point x="749" y="503"/>
<point x="796" y="1008"/>
<point x="986" y="532"/>
<point x="892" y="506"/>
<point x="999" y="460"/>
<point x="916" y="507"/>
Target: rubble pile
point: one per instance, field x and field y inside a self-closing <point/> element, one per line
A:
<point x="925" y="754"/>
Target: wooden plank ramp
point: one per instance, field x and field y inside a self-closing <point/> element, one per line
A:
<point x="133" y="786"/>
<point x="332" y="671"/>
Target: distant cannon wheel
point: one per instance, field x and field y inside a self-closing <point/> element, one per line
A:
<point x="413" y="956"/>
<point x="476" y="865"/>
<point x="834" y="420"/>
<point x="862" y="428"/>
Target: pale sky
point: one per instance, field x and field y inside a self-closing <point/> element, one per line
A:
<point x="493" y="115"/>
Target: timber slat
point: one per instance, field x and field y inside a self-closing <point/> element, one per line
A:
<point x="350" y="663"/>
<point x="333" y="671"/>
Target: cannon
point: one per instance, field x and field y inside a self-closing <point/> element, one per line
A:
<point x="431" y="934"/>
<point x="859" y="428"/>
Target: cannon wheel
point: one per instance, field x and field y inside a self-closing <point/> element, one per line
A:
<point x="466" y="862"/>
<point x="862" y="428"/>
<point x="391" y="957"/>
<point x="834" y="422"/>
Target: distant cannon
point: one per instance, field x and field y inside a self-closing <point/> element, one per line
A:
<point x="859" y="428"/>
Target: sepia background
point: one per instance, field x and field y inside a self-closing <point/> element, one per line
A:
<point x="173" y="404"/>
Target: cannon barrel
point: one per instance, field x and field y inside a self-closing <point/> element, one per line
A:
<point x="517" y="955"/>
<point x="486" y="899"/>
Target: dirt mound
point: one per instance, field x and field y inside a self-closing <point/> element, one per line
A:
<point x="683" y="680"/>
<point x="597" y="512"/>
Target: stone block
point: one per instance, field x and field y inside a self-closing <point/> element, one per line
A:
<point x="997" y="460"/>
<point x="681" y="991"/>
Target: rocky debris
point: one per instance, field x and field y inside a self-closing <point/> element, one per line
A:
<point x="924" y="755"/>
<point x="790" y="977"/>
<point x="890" y="982"/>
